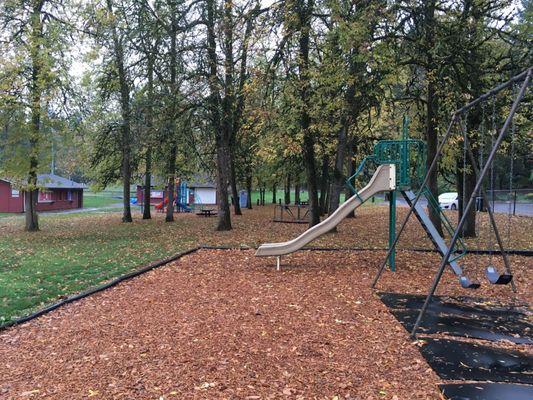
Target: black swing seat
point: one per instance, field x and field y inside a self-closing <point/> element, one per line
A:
<point x="467" y="283"/>
<point x="496" y="278"/>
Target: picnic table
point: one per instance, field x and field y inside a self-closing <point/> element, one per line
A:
<point x="206" y="212"/>
<point x="297" y="213"/>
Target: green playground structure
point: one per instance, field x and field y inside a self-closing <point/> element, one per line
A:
<point x="409" y="157"/>
<point x="400" y="169"/>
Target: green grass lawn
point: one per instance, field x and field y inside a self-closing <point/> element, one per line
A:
<point x="70" y="254"/>
<point x="280" y="195"/>
<point x="99" y="200"/>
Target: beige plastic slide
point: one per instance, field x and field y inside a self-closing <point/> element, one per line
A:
<point x="383" y="180"/>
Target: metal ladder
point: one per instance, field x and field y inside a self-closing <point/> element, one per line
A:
<point x="438" y="241"/>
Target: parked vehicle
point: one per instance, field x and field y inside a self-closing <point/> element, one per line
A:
<point x="449" y="201"/>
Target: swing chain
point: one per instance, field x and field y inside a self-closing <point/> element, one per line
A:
<point x="463" y="194"/>
<point x="491" y="177"/>
<point x="482" y="133"/>
<point x="511" y="173"/>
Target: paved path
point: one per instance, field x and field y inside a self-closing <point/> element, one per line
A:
<point x="111" y="207"/>
<point x="502" y="207"/>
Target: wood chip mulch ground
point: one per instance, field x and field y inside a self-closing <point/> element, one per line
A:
<point x="226" y="325"/>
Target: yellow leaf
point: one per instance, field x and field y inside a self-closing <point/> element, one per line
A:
<point x="29" y="393"/>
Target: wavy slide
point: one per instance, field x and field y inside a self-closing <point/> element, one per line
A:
<point x="383" y="180"/>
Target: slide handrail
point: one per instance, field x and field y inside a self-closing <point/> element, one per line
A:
<point x="356" y="174"/>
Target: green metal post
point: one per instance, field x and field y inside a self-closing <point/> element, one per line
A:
<point x="392" y="229"/>
<point x="404" y="167"/>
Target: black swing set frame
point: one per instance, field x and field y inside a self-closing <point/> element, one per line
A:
<point x="525" y="76"/>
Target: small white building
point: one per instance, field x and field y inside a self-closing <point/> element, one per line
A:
<point x="202" y="192"/>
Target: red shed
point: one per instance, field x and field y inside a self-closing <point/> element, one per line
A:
<point x="55" y="193"/>
<point x="156" y="195"/>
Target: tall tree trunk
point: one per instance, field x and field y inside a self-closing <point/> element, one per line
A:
<point x="337" y="183"/>
<point x="432" y="144"/>
<point x="126" y="117"/>
<point x="474" y="70"/>
<point x="171" y="135"/>
<point x="304" y="10"/>
<point x="147" y="183"/>
<point x="288" y="189"/>
<point x="353" y="109"/>
<point x="297" y="199"/>
<point x="249" y="191"/>
<point x="228" y="103"/>
<point x="469" y="228"/>
<point x="432" y="105"/>
<point x="171" y="183"/>
<point x="31" y="194"/>
<point x="465" y="184"/>
<point x="351" y="170"/>
<point x="470" y="224"/>
<point x="274" y="193"/>
<point x="459" y="184"/>
<point x="233" y="185"/>
<point x="150" y="133"/>
<point x="324" y="184"/>
<point x="328" y="195"/>
<point x="126" y="175"/>
<point x="30" y="211"/>
<point x="236" y="99"/>
<point x="224" y="218"/>
<point x="221" y="139"/>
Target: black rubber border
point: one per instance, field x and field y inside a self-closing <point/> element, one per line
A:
<point x="160" y="263"/>
<point x="107" y="285"/>
<point x="524" y="253"/>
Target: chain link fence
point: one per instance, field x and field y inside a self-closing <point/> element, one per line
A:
<point x="519" y="201"/>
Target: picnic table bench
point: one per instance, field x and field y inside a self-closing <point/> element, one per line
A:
<point x="206" y="212"/>
<point x="298" y="214"/>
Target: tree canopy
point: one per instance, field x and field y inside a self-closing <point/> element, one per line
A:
<point x="251" y="93"/>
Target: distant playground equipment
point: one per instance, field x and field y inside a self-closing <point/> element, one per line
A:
<point x="160" y="207"/>
<point x="182" y="197"/>
<point x="181" y="200"/>
<point x="401" y="167"/>
<point x="291" y="213"/>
